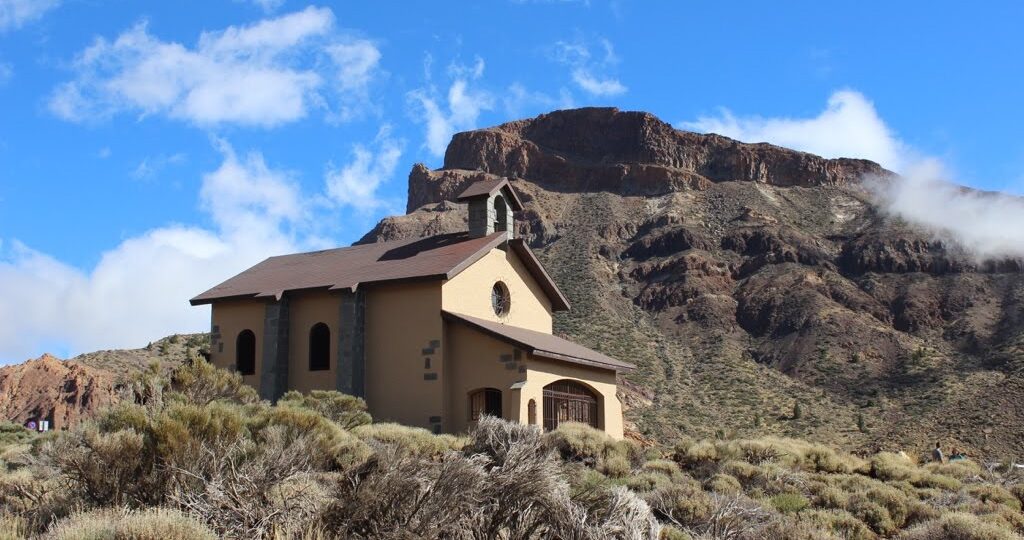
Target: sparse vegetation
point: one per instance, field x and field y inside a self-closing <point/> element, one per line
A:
<point x="199" y="457"/>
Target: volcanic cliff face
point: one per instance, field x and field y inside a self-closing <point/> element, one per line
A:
<point x="65" y="392"/>
<point x="49" y="389"/>
<point x="744" y="278"/>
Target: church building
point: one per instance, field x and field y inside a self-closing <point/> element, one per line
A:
<point x="431" y="332"/>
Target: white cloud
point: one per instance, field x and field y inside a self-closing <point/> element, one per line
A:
<point x="16" y="13"/>
<point x="518" y="100"/>
<point x="6" y="72"/>
<point x="987" y="225"/>
<point x="595" y="86"/>
<point x="356" y="183"/>
<point x="268" y="6"/>
<point x="265" y="74"/>
<point x="458" y="112"/>
<point x="139" y="290"/>
<point x="848" y="127"/>
<point x="587" y="70"/>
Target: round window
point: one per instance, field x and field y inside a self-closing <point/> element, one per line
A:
<point x="500" y="300"/>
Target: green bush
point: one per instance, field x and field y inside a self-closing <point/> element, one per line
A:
<point x="789" y="502"/>
<point x="200" y="382"/>
<point x="694" y="453"/>
<point x="938" y="481"/>
<point x="669" y="532"/>
<point x="616" y="466"/>
<point x="344" y="410"/>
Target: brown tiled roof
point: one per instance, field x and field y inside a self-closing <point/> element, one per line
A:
<point x="486" y="188"/>
<point x="436" y="257"/>
<point x="540" y="344"/>
<point x="441" y="257"/>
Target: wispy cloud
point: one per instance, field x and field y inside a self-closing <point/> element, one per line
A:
<point x="356" y="183"/>
<point x="589" y="70"/>
<point x="150" y="167"/>
<point x="6" y="72"/>
<point x="458" y="110"/>
<point x="17" y="13"/>
<point x="265" y="74"/>
<point x="848" y="127"/>
<point x="268" y="6"/>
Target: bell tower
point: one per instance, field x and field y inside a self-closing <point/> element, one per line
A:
<point x="491" y="206"/>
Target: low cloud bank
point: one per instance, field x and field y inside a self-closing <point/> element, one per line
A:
<point x="987" y="225"/>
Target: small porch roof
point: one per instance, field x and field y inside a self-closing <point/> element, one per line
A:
<point x="540" y="344"/>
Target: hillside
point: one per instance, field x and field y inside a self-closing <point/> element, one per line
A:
<point x="68" y="391"/>
<point x="746" y="278"/>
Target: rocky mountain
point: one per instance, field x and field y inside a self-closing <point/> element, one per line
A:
<point x="745" y="279"/>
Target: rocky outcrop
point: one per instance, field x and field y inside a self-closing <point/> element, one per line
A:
<point x="630" y="153"/>
<point x="51" y="389"/>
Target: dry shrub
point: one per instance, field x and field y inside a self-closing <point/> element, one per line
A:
<point x="200" y="382"/>
<point x="961" y="469"/>
<point x="1018" y="491"/>
<point x="958" y="526"/>
<point x="683" y="504"/>
<point x="695" y="453"/>
<point x="994" y="493"/>
<point x="723" y="483"/>
<point x="13" y="527"/>
<point x="342" y="409"/>
<point x="507" y="483"/>
<point x="662" y="466"/>
<point x="412" y="440"/>
<point x="119" y="524"/>
<point x="937" y="481"/>
<point x="671" y="533"/>
<point x="735" y="517"/>
<point x="871" y="513"/>
<point x="579" y="442"/>
<point x="889" y="466"/>
<point x="106" y="469"/>
<point x="746" y="473"/>
<point x="646" y="481"/>
<point x="895" y="503"/>
<point x="826" y="496"/>
<point x="839" y="522"/>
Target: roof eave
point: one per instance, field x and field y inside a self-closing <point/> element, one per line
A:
<point x="558" y="300"/>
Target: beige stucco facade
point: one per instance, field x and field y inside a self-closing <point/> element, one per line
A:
<point x="470" y="292"/>
<point x="420" y="368"/>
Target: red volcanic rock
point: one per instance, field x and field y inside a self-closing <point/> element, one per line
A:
<point x="48" y="388"/>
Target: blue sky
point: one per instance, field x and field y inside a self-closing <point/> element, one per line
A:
<point x="151" y="149"/>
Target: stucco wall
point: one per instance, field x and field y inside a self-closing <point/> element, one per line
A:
<point x="470" y="292"/>
<point x="403" y="329"/>
<point x="307" y="309"/>
<point x="476" y="360"/>
<point x="542" y="372"/>
<point x="229" y="318"/>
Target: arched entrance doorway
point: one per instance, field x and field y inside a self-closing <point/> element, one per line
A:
<point x="569" y="401"/>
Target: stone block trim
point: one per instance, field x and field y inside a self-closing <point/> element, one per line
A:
<point x="351" y="373"/>
<point x="274" y="367"/>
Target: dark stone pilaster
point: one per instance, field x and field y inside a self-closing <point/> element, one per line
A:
<point x="351" y="344"/>
<point x="274" y="373"/>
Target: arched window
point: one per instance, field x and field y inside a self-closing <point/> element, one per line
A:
<point x="319" y="347"/>
<point x="569" y="401"/>
<point x="531" y="412"/>
<point x="484" y="401"/>
<point x="245" y="352"/>
<point x="500" y="214"/>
